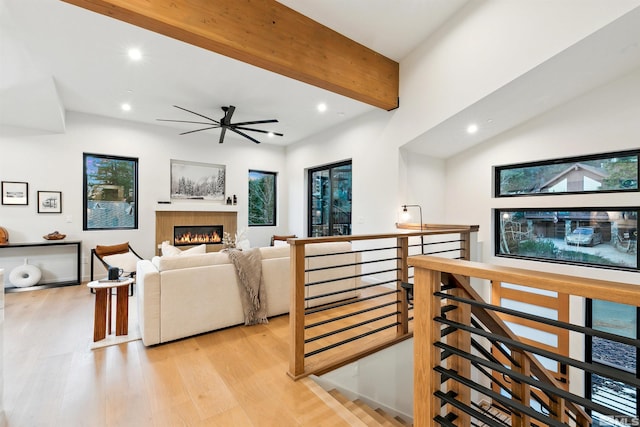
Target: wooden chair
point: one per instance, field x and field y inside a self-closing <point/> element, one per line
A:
<point x="120" y="256"/>
<point x="282" y="238"/>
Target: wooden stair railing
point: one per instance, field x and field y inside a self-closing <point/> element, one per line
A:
<point x="442" y="358"/>
<point x="381" y="316"/>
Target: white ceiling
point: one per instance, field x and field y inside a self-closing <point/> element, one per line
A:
<point x="51" y="49"/>
<point x="56" y="57"/>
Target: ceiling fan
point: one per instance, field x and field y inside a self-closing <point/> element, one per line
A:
<point x="225" y="123"/>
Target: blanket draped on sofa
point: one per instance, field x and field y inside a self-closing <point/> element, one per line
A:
<point x="248" y="265"/>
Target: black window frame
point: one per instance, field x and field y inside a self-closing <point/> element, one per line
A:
<point x="132" y="199"/>
<point x="498" y="170"/>
<point x="560" y="211"/>
<point x="327" y="167"/>
<point x="273" y="223"/>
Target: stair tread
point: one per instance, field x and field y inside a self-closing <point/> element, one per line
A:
<point x="364" y="412"/>
<point x="375" y="415"/>
<point x="360" y="413"/>
<point x="396" y="421"/>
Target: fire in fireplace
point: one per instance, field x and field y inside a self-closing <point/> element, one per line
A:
<point x="197" y="234"/>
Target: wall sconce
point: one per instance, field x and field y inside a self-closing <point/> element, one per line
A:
<point x="405" y="214"/>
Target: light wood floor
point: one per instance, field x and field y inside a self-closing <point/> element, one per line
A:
<point x="232" y="377"/>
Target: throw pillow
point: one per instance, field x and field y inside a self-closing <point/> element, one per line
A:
<point x="127" y="261"/>
<point x="170" y="250"/>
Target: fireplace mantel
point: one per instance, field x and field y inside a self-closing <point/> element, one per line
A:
<point x="195" y="206"/>
<point x="167" y="219"/>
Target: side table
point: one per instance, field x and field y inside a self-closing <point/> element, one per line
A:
<point x="102" y="315"/>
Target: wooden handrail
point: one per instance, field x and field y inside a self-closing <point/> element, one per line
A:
<point x="624" y="293"/>
<point x="352" y="238"/>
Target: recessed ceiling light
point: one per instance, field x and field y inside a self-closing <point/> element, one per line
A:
<point x="322" y="107"/>
<point x="135" y="54"/>
<point x="270" y="134"/>
<point x="125" y="107"/>
<point x="472" y="128"/>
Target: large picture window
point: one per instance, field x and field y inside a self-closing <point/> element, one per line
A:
<point x="110" y="192"/>
<point x="603" y="237"/>
<point x="608" y="172"/>
<point x="262" y="198"/>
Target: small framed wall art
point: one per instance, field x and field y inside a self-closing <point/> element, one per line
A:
<point x="49" y="202"/>
<point x="15" y="193"/>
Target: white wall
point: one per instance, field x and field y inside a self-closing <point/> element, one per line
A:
<point x="601" y="121"/>
<point x="365" y="141"/>
<point x="487" y="45"/>
<point x="53" y="162"/>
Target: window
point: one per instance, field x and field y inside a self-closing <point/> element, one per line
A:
<point x="330" y="200"/>
<point x="602" y="237"/>
<point x="110" y="192"/>
<point x="262" y="198"/>
<point x="619" y="319"/>
<point x="586" y="174"/>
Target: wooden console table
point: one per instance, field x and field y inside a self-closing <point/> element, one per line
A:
<point x="48" y="244"/>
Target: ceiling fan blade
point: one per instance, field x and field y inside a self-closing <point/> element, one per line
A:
<point x="245" y="135"/>
<point x="221" y="140"/>
<point x="228" y="112"/>
<point x="183" y="121"/>
<point x="197" y="114"/>
<point x="256" y="130"/>
<point x="198" y="130"/>
<point x="257" y="122"/>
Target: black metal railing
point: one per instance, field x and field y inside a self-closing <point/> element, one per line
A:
<point x="478" y="358"/>
<point x="351" y="302"/>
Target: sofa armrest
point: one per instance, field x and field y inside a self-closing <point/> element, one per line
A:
<point x="148" y="301"/>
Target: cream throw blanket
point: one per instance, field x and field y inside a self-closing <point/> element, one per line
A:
<point x="248" y="264"/>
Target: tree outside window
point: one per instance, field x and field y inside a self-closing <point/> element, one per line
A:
<point x="110" y="192"/>
<point x="262" y="198"/>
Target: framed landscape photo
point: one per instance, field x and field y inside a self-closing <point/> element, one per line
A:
<point x="49" y="202"/>
<point x="15" y="193"/>
<point x="595" y="237"/>
<point x="197" y="181"/>
<point x="110" y="193"/>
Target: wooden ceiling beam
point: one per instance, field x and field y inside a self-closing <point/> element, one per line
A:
<point x="269" y="35"/>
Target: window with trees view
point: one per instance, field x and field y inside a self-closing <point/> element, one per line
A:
<point x="110" y="192"/>
<point x="262" y="198"/>
<point x="608" y="172"/>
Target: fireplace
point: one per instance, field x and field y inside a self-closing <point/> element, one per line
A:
<point x="184" y="235"/>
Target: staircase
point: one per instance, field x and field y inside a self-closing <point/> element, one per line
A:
<point x="369" y="416"/>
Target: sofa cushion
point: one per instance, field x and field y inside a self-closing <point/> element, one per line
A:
<point x="269" y="252"/>
<point x="165" y="263"/>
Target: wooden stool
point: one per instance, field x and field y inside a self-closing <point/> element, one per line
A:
<point x="102" y="314"/>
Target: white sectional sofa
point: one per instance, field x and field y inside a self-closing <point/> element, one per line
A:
<point x="185" y="295"/>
